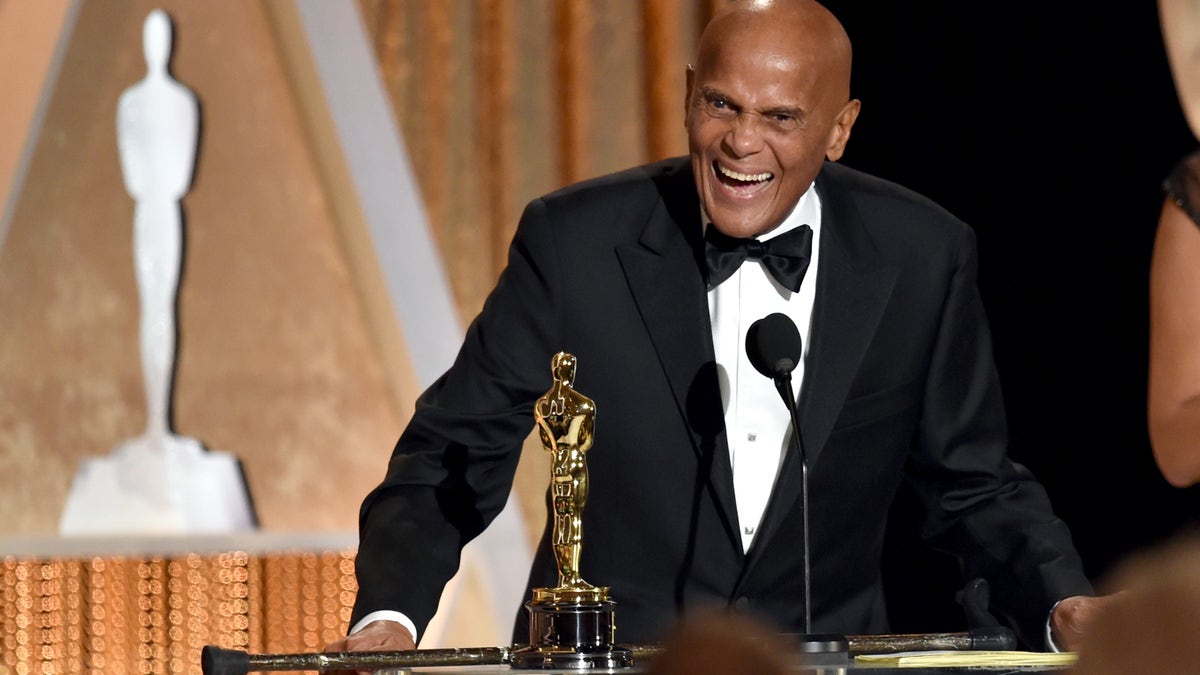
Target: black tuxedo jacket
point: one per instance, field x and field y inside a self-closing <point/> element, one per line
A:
<point x="900" y="386"/>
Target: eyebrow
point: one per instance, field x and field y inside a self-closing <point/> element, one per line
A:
<point x="710" y="93"/>
<point x="798" y="113"/>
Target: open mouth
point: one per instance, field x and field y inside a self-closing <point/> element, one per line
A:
<point x="743" y="183"/>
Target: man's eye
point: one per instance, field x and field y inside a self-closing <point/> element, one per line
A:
<point x="718" y="106"/>
<point x="784" y="122"/>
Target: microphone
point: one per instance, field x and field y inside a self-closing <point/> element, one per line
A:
<point x="774" y="347"/>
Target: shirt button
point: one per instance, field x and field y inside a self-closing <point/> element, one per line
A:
<point x="748" y="530"/>
<point x="751" y="437"/>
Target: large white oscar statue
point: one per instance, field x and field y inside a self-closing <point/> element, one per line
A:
<point x="159" y="482"/>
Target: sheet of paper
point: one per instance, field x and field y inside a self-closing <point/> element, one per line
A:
<point x="967" y="658"/>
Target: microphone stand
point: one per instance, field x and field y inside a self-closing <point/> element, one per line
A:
<point x="783" y="382"/>
<point x="775" y="348"/>
<point x="819" y="648"/>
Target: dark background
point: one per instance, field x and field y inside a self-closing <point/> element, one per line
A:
<point x="1047" y="127"/>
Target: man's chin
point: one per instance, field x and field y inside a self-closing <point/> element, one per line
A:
<point x="738" y="225"/>
<point x="740" y="219"/>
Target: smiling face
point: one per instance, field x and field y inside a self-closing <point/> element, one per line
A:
<point x="767" y="103"/>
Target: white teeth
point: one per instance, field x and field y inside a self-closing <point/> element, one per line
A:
<point x="744" y="177"/>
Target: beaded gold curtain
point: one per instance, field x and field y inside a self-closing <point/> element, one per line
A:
<point x="144" y="614"/>
<point x="500" y="101"/>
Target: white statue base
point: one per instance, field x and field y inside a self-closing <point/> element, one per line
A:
<point x="168" y="485"/>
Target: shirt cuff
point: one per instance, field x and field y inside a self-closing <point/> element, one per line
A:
<point x="1050" y="630"/>
<point x="386" y="615"/>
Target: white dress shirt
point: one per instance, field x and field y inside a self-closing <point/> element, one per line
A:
<point x="757" y="422"/>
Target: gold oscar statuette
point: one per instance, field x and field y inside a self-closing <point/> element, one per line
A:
<point x="570" y="625"/>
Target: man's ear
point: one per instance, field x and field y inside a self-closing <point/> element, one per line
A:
<point x="690" y="77"/>
<point x="840" y="134"/>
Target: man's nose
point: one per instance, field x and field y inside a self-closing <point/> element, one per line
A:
<point x="745" y="135"/>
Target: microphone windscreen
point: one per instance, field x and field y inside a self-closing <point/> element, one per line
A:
<point x="773" y="345"/>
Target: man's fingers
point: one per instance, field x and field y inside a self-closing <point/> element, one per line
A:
<point x="375" y="636"/>
<point x="336" y="646"/>
<point x="1074" y="616"/>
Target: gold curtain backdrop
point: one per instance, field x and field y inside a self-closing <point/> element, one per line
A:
<point x="498" y="101"/>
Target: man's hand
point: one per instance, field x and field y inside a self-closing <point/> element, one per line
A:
<point x="1072" y="618"/>
<point x="375" y="636"/>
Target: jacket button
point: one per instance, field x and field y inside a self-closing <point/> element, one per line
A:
<point x="741" y="603"/>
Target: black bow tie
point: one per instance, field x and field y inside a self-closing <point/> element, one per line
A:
<point x="785" y="257"/>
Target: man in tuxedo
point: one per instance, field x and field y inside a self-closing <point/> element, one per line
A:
<point x="694" y="493"/>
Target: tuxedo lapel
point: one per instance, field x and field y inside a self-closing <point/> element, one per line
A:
<point x="664" y="274"/>
<point x="853" y="288"/>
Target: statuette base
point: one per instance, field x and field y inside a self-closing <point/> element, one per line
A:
<point x="575" y="635"/>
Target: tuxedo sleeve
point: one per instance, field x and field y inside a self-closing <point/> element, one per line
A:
<point x="452" y="468"/>
<point x="979" y="505"/>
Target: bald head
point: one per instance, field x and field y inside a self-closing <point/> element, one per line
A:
<point x="798" y="26"/>
<point x="768" y="102"/>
